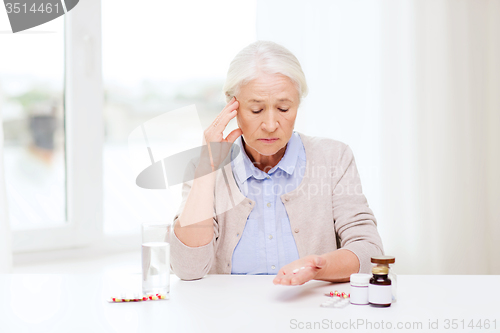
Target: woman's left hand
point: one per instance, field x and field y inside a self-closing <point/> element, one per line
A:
<point x="300" y="271"/>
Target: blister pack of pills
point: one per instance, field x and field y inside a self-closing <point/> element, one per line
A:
<point x="335" y="302"/>
<point x="135" y="297"/>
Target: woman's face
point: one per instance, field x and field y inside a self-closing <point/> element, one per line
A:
<point x="267" y="111"/>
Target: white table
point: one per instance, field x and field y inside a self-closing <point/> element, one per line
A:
<point x="224" y="303"/>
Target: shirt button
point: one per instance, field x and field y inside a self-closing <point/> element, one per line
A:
<point x="296" y="230"/>
<point x="268" y="204"/>
<point x="273" y="267"/>
<point x="270" y="236"/>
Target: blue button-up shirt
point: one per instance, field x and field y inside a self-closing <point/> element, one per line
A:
<point x="267" y="242"/>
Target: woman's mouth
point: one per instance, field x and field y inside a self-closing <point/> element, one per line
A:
<point x="270" y="140"/>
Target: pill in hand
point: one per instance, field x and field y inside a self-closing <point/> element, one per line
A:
<point x="296" y="270"/>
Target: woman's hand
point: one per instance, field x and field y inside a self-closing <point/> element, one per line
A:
<point x="215" y="146"/>
<point x="300" y="271"/>
<point x="199" y="206"/>
<point x="214" y="133"/>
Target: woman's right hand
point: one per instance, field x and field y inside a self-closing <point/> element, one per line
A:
<point x="215" y="146"/>
<point x="214" y="133"/>
<point x="199" y="205"/>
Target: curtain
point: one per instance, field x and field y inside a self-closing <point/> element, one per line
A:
<point x="449" y="154"/>
<point x="413" y="86"/>
<point x="5" y="241"/>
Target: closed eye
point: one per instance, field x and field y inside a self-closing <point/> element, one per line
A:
<point x="256" y="111"/>
<point x="283" y="110"/>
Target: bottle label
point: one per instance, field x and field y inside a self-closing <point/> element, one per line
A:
<point x="359" y="295"/>
<point x="379" y="294"/>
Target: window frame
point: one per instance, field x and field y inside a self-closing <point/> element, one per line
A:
<point x="84" y="136"/>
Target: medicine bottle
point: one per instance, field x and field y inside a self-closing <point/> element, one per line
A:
<point x="359" y="288"/>
<point x="380" y="287"/>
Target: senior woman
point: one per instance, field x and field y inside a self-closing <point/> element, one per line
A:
<point x="299" y="213"/>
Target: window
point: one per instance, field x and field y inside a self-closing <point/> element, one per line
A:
<point x="51" y="99"/>
<point x="159" y="61"/>
<point x="167" y="58"/>
<point x="31" y="99"/>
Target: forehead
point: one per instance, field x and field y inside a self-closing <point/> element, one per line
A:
<point x="267" y="86"/>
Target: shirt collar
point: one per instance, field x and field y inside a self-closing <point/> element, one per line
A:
<point x="243" y="167"/>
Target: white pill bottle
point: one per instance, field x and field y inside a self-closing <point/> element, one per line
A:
<point x="359" y="288"/>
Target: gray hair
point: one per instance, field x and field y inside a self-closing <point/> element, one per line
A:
<point x="267" y="57"/>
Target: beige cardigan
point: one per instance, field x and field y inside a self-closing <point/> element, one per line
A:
<point x="327" y="211"/>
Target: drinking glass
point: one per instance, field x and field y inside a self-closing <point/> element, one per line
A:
<point x="155" y="259"/>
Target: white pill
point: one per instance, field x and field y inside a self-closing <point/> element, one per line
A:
<point x="295" y="270"/>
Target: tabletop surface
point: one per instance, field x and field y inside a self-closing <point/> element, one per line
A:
<point x="234" y="303"/>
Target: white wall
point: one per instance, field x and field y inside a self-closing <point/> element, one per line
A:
<point x="412" y="86"/>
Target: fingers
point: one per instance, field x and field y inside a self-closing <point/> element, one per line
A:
<point x="277" y="279"/>
<point x="226" y="117"/>
<point x="299" y="278"/>
<point x="231" y="137"/>
<point x="228" y="113"/>
<point x="302" y="276"/>
<point x="214" y="132"/>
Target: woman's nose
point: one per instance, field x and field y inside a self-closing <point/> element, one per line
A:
<point x="270" y="123"/>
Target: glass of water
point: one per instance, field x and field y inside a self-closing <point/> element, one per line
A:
<point x="155" y="259"/>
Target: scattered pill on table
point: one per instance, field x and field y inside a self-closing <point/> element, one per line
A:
<point x="137" y="298"/>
